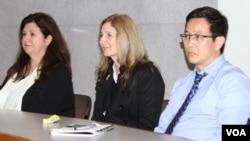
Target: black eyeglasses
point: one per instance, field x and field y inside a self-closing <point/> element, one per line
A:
<point x="196" y="37"/>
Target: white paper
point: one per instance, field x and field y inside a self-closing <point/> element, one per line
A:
<point x="78" y="130"/>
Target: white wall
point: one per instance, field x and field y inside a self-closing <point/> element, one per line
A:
<point x="237" y="49"/>
<point x="160" y="21"/>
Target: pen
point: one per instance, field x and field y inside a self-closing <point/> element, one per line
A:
<point x="108" y="128"/>
<point x="77" y="126"/>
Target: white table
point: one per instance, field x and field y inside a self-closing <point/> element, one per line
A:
<point x="30" y="125"/>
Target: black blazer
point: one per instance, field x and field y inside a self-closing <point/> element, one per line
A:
<point x="138" y="105"/>
<point x="53" y="95"/>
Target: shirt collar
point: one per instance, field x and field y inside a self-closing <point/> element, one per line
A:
<point x="213" y="67"/>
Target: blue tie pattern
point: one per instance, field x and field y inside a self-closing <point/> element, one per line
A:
<point x="190" y="95"/>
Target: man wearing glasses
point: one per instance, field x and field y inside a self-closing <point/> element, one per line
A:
<point x="220" y="92"/>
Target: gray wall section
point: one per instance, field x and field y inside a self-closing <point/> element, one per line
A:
<point x="160" y="21"/>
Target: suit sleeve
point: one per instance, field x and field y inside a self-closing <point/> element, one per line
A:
<point x="150" y="99"/>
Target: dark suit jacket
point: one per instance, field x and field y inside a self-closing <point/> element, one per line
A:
<point x="53" y="95"/>
<point x="138" y="105"/>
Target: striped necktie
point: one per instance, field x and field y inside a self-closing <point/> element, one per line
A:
<point x="182" y="109"/>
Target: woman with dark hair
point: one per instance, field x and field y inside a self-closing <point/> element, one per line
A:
<point x="40" y="80"/>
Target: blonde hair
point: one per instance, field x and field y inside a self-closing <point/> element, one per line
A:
<point x="131" y="50"/>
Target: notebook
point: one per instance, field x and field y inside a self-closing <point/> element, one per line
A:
<point x="92" y="129"/>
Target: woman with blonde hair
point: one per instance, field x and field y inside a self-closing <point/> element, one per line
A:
<point x="129" y="87"/>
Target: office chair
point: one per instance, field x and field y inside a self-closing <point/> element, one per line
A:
<point x="82" y="106"/>
<point x="164" y="104"/>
